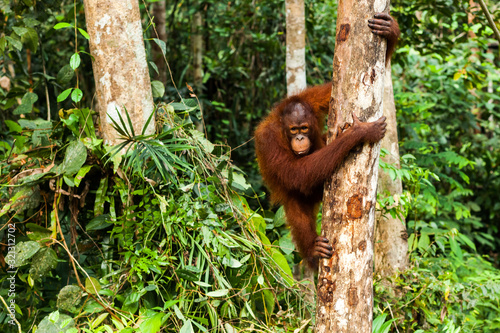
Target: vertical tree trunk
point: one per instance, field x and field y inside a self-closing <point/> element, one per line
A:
<point x="295" y="46"/>
<point x="120" y="67"/>
<point x="345" y="282"/>
<point x="391" y="239"/>
<point x="197" y="49"/>
<point x="295" y="83"/>
<point x="160" y="19"/>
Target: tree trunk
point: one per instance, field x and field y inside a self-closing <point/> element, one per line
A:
<point x="391" y="239"/>
<point x="197" y="49"/>
<point x="160" y="18"/>
<point x="345" y="282"/>
<point x="295" y="83"/>
<point x="120" y="67"/>
<point x="295" y="46"/>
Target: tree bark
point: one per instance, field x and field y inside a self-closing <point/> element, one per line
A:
<point x="197" y="49"/>
<point x="391" y="239"/>
<point x="160" y="19"/>
<point x="345" y="282"/>
<point x="295" y="83"/>
<point x="295" y="46"/>
<point x="120" y="67"/>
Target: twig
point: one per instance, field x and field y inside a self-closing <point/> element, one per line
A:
<point x="243" y="144"/>
<point x="164" y="55"/>
<point x="12" y="315"/>
<point x="45" y="79"/>
<point x="419" y="294"/>
<point x="392" y="315"/>
<point x="10" y="152"/>
<point x="75" y="263"/>
<point x="490" y="19"/>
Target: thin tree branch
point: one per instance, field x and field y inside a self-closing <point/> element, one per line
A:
<point x="13" y="316"/>
<point x="490" y="19"/>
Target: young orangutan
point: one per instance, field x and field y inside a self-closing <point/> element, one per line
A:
<point x="295" y="161"/>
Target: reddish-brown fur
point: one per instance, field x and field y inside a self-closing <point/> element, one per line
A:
<point x="295" y="181"/>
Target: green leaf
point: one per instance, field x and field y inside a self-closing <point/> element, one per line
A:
<point x="3" y="44"/>
<point x="412" y="244"/>
<point x="229" y="328"/>
<point x="378" y="322"/>
<point x="218" y="293"/>
<point x="231" y="262"/>
<point x="30" y="22"/>
<point x="207" y="145"/>
<point x="62" y="96"/>
<point x="99" y="320"/>
<point x="153" y="323"/>
<point x="13" y="126"/>
<point x="53" y="324"/>
<point x="100" y="196"/>
<point x="75" y="61"/>
<point x="31" y="39"/>
<point x="62" y="25"/>
<point x="286" y="244"/>
<point x="85" y="118"/>
<point x="72" y="123"/>
<point x="187" y="327"/>
<point x="99" y="222"/>
<point x="267" y="298"/>
<point x="81" y="174"/>
<point x="161" y="44"/>
<point x="181" y="107"/>
<point x="260" y="280"/>
<point x="238" y="181"/>
<point x="15" y="42"/>
<point x="69" y="298"/>
<point x="151" y="287"/>
<point x="424" y="242"/>
<point x="42" y="263"/>
<point x="54" y="316"/>
<point x="28" y="37"/>
<point x="23" y="252"/>
<point x="178" y="313"/>
<point x="20" y="31"/>
<point x="467" y="241"/>
<point x="22" y="200"/>
<point x="280" y="217"/>
<point x="69" y="181"/>
<point x="26" y="104"/>
<point x="22" y="109"/>
<point x="158" y="89"/>
<point x="92" y="285"/>
<point x="75" y="157"/>
<point x="84" y="33"/>
<point x="258" y="223"/>
<point x="202" y="284"/>
<point x="37" y="232"/>
<point x="76" y="95"/>
<point x="455" y="248"/>
<point x="64" y="76"/>
<point x="187" y="274"/>
<point x="285" y="271"/>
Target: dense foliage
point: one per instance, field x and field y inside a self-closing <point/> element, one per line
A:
<point x="170" y="231"/>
